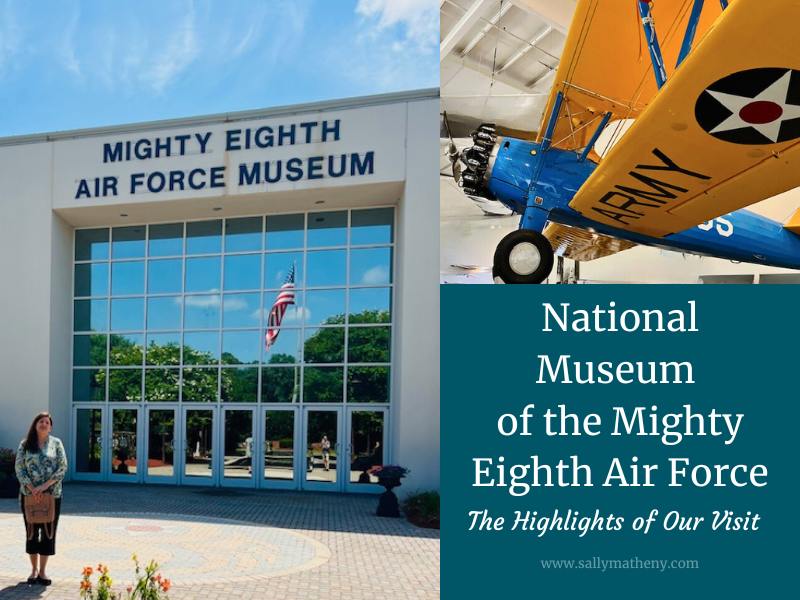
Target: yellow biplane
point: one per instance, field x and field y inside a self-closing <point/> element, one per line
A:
<point x="707" y="124"/>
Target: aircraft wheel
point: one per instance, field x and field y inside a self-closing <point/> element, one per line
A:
<point x="523" y="256"/>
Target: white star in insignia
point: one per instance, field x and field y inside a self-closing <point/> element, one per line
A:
<point x="775" y="94"/>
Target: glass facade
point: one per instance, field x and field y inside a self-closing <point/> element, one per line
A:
<point x="179" y="312"/>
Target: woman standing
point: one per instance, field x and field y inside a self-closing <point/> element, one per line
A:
<point x="41" y="465"/>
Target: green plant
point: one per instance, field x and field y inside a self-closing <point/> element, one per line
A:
<point x="102" y="591"/>
<point x="422" y="509"/>
<point x="149" y="585"/>
<point x="7" y="456"/>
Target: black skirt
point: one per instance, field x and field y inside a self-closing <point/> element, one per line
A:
<point x="40" y="543"/>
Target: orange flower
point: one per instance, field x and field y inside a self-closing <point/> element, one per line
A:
<point x="158" y="577"/>
<point x="85" y="585"/>
<point x="87" y="571"/>
<point x="166" y="584"/>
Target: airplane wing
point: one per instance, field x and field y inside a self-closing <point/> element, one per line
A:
<point x="721" y="134"/>
<point x="605" y="65"/>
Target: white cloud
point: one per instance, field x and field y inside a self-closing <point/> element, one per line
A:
<point x="67" y="54"/>
<point x="394" y="47"/>
<point x="10" y="35"/>
<point x="294" y="315"/>
<point x="179" y="53"/>
<point x="233" y="304"/>
<point x="202" y="301"/>
<point x="419" y="18"/>
<point x="375" y="275"/>
<point x="130" y="48"/>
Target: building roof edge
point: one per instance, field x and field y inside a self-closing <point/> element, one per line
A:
<point x="245" y="115"/>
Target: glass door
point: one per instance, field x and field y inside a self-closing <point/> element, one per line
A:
<point x="238" y="447"/>
<point x="124" y="453"/>
<point x="280" y="450"/>
<point x="366" y="444"/>
<point x="88" y="427"/>
<point x="199" y="446"/>
<point x="159" y="458"/>
<point x="323" y="470"/>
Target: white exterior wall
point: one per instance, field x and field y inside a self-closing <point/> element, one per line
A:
<point x="26" y="246"/>
<point x="61" y="252"/>
<point x="41" y="177"/>
<point x="416" y="441"/>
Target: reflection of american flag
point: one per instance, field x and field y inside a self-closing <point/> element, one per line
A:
<point x="285" y="299"/>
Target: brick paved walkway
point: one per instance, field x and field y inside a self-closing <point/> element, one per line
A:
<point x="220" y="544"/>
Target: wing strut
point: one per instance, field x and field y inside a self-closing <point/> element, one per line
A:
<point x="551" y="125"/>
<point x="595" y="135"/>
<point x="652" y="42"/>
<point x="691" y="29"/>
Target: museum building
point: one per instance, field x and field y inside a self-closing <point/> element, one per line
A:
<point x="247" y="299"/>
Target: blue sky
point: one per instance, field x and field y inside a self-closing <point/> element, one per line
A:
<point x="70" y="64"/>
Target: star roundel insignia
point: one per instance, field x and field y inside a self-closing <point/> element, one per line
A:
<point x="758" y="106"/>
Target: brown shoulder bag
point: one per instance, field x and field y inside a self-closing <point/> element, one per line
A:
<point x="41" y="512"/>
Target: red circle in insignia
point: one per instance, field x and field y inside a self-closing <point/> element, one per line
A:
<point x="760" y="112"/>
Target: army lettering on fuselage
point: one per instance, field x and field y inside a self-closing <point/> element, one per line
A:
<point x="625" y="202"/>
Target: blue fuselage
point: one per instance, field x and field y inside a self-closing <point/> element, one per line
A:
<point x="540" y="185"/>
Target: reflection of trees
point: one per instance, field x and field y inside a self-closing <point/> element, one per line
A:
<point x="366" y="439"/>
<point x="168" y="354"/>
<point x="371" y="343"/>
<point x="367" y="344"/>
<point x="367" y="429"/>
<point x="280" y="428"/>
<point x="97" y="350"/>
<point x="161" y="433"/>
<point x="240" y="385"/>
<point x="238" y="427"/>
<point x="161" y="385"/>
<point x="200" y="385"/>
<point x="370" y="316"/>
<point x="198" y="429"/>
<point x="280" y="384"/>
<point x="124" y="440"/>
<point x="321" y="422"/>
<point x="322" y="384"/>
<point x="368" y="384"/>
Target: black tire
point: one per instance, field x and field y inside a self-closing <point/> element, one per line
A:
<point x="536" y="257"/>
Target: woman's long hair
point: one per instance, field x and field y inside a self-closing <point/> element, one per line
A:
<point x="32" y="439"/>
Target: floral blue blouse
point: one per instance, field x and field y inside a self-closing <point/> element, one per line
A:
<point x="39" y="467"/>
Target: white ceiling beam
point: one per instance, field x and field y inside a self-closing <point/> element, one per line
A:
<point x="492" y="22"/>
<point x="487" y="72"/>
<point x="556" y="13"/>
<point x="467" y="21"/>
<point x="541" y="79"/>
<point x="522" y="52"/>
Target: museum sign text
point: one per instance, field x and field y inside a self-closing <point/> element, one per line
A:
<point x="268" y="171"/>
